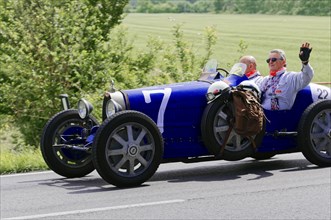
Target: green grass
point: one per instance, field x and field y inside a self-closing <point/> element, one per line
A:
<point x="15" y="157"/>
<point x="260" y="32"/>
<point x="21" y="161"/>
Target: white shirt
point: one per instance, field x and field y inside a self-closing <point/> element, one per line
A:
<point x="255" y="77"/>
<point x="286" y="90"/>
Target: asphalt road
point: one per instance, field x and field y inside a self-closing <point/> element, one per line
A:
<point x="284" y="187"/>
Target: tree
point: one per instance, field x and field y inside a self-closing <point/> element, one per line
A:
<point x="218" y="4"/>
<point x="49" y="47"/>
<point x="290" y="7"/>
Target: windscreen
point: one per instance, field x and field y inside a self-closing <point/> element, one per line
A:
<point x="238" y="69"/>
<point x="210" y="67"/>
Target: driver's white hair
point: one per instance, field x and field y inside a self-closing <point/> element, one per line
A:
<point x="280" y="52"/>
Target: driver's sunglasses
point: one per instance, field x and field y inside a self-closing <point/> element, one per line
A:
<point x="273" y="59"/>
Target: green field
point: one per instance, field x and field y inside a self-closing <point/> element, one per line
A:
<point x="260" y="32"/>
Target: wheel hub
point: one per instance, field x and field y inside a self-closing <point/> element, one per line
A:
<point x="132" y="150"/>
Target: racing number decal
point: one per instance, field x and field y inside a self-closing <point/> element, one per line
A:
<point x="166" y="95"/>
<point x="323" y="93"/>
<point x="238" y="70"/>
<point x="319" y="92"/>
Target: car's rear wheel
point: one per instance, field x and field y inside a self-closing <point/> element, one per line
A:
<point x="314" y="134"/>
<point x="62" y="133"/>
<point x="127" y="149"/>
<point x="214" y="127"/>
<point x="263" y="156"/>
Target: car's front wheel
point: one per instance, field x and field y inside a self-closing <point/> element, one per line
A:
<point x="314" y="134"/>
<point x="128" y="149"/>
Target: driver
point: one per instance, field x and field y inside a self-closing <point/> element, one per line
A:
<point x="280" y="87"/>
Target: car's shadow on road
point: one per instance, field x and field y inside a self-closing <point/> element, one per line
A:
<point x="87" y="184"/>
<point x="234" y="170"/>
<point x="215" y="171"/>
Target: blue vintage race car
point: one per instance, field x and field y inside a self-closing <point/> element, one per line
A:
<point x="144" y="127"/>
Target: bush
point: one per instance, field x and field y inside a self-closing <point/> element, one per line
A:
<point x="50" y="48"/>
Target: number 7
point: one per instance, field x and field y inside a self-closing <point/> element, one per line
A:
<point x="160" y="117"/>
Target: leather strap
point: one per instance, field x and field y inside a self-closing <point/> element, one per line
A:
<point x="226" y="138"/>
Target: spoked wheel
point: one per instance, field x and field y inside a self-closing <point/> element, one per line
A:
<point x="214" y="128"/>
<point x="63" y="144"/>
<point x="128" y="149"/>
<point x="315" y="133"/>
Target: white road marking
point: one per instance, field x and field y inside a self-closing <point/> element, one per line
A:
<point x="95" y="210"/>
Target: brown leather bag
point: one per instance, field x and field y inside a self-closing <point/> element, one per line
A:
<point x="248" y="113"/>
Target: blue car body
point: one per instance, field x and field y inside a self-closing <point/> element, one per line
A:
<point x="177" y="110"/>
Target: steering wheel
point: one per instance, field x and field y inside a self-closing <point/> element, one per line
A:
<point x="224" y="70"/>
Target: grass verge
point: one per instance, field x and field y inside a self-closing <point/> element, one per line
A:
<point x="25" y="160"/>
<point x="16" y="157"/>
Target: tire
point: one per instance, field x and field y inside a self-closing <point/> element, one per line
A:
<point x="314" y="136"/>
<point x="56" y="142"/>
<point x="214" y="126"/>
<point x="263" y="156"/>
<point x="128" y="149"/>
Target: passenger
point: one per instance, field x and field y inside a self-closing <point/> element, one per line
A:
<point x="280" y="87"/>
<point x="251" y="72"/>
